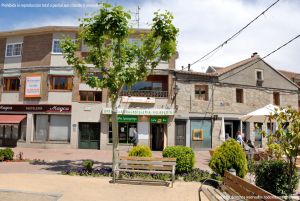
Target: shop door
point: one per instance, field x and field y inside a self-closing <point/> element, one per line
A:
<point x="157" y="137"/>
<point x="89" y="135"/>
<point x="180" y="133"/>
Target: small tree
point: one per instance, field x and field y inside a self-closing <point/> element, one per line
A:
<point x="120" y="62"/>
<point x="288" y="137"/>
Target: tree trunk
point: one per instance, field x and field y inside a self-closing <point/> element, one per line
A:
<point x="115" y="138"/>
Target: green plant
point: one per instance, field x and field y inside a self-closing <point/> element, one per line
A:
<point x="185" y="157"/>
<point x="275" y="150"/>
<point x="7" y="154"/>
<point x="140" y="151"/>
<point x="196" y="175"/>
<point x="229" y="155"/>
<point x="88" y="165"/>
<point x="272" y="175"/>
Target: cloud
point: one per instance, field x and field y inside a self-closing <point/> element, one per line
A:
<point x="207" y="23"/>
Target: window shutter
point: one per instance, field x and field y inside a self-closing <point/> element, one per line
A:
<point x="70" y="83"/>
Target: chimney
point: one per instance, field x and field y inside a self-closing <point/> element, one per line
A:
<point x="254" y="54"/>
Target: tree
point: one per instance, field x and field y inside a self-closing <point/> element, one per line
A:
<point x="288" y="137"/>
<point x="121" y="63"/>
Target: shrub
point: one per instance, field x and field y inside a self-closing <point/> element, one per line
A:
<point x="185" y="157"/>
<point x="7" y="154"/>
<point x="275" y="150"/>
<point x="196" y="175"/>
<point x="272" y="175"/>
<point x="229" y="155"/>
<point x="88" y="165"/>
<point x="140" y="151"/>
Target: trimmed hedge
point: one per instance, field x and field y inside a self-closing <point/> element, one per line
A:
<point x="272" y="175"/>
<point x="6" y="154"/>
<point x="140" y="151"/>
<point x="185" y="157"/>
<point x="229" y="155"/>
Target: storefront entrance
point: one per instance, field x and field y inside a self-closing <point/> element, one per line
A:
<point x="12" y="129"/>
<point x="89" y="135"/>
<point x="180" y="133"/>
<point x="157" y="142"/>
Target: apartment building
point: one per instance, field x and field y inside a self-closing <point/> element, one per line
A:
<point x="44" y="104"/>
<point x="210" y="104"/>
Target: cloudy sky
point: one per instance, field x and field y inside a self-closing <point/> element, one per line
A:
<point x="203" y="25"/>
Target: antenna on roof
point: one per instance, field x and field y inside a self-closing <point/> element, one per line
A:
<point x="137" y="16"/>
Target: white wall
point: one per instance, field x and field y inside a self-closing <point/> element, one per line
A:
<point x="59" y="97"/>
<point x="13" y="62"/>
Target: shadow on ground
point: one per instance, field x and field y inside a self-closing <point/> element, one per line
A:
<point x="63" y="165"/>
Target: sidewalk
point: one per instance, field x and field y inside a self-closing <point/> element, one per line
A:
<point x="56" y="160"/>
<point x="72" y="188"/>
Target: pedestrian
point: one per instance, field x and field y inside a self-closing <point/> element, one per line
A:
<point x="135" y="139"/>
<point x="227" y="137"/>
<point x="239" y="138"/>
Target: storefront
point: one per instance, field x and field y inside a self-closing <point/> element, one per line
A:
<point x="35" y="124"/>
<point x="151" y="126"/>
<point x="201" y="134"/>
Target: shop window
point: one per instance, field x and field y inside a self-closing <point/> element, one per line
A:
<point x="61" y="82"/>
<point x="239" y="95"/>
<point x="11" y="84"/>
<point x="52" y="128"/>
<point x="126" y="132"/>
<point x="93" y="96"/>
<point x="201" y="134"/>
<point x="276" y="98"/>
<point x="201" y="92"/>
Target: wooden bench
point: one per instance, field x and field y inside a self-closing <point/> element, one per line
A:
<point x="236" y="188"/>
<point x="146" y="165"/>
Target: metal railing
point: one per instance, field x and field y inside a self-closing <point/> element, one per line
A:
<point x="145" y="93"/>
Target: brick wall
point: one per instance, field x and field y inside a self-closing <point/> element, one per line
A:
<point x="37" y="50"/>
<point x="2" y="51"/>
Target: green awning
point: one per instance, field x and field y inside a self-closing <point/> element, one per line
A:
<point x="61" y="72"/>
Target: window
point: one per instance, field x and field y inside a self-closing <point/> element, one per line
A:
<point x="52" y="128"/>
<point x="276" y="98"/>
<point x="90" y="96"/>
<point x="11" y="84"/>
<point x="125" y="132"/>
<point x="239" y="95"/>
<point x="145" y="86"/>
<point x="61" y="82"/>
<point x="56" y="46"/>
<point x="13" y="49"/>
<point x="259" y="75"/>
<point x="201" y="92"/>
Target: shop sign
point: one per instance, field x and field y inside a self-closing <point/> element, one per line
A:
<point x="133" y="99"/>
<point x="152" y="112"/>
<point x="159" y="120"/>
<point x="35" y="108"/>
<point x="127" y="118"/>
<point x="33" y="86"/>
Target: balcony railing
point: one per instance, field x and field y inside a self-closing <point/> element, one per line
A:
<point x="145" y="93"/>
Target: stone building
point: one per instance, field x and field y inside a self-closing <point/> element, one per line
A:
<point x="44" y="104"/>
<point x="210" y="104"/>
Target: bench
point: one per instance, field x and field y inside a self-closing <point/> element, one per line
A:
<point x="146" y="165"/>
<point x="235" y="188"/>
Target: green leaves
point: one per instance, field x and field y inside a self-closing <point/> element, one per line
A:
<point x="106" y="34"/>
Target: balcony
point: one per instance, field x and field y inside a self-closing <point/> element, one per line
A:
<point x="145" y="93"/>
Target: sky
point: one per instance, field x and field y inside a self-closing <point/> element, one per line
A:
<point x="203" y="25"/>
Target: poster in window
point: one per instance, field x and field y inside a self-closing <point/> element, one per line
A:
<point x="33" y="86"/>
<point x="198" y="135"/>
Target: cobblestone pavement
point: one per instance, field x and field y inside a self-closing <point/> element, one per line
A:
<point x="53" y="161"/>
<point x="73" y="188"/>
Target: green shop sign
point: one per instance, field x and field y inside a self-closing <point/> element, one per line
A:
<point x="127" y="118"/>
<point x="159" y="120"/>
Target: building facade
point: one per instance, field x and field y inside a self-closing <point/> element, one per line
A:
<point x="44" y="104"/>
<point x="209" y="105"/>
